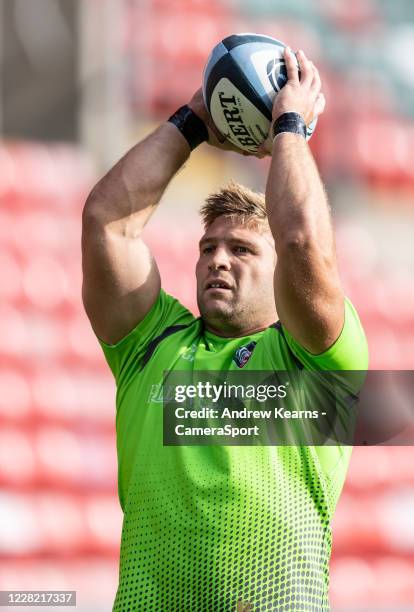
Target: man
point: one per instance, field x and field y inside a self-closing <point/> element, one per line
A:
<point x="220" y="528"/>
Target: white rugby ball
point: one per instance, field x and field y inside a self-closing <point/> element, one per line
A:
<point x="242" y="76"/>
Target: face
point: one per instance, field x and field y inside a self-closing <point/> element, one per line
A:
<point x="235" y="278"/>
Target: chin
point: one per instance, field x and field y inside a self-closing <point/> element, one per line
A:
<point x="215" y="311"/>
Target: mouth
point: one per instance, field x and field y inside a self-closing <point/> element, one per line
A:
<point x="217" y="285"/>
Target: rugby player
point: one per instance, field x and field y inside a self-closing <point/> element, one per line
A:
<point x="222" y="528"/>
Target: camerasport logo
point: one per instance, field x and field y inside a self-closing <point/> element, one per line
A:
<point x="243" y="354"/>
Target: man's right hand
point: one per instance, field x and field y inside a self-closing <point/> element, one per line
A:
<point x="215" y="137"/>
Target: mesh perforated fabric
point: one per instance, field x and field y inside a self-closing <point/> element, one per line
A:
<point x="218" y="528"/>
<point x="249" y="526"/>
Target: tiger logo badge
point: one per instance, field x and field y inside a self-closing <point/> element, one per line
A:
<point x="243" y="354"/>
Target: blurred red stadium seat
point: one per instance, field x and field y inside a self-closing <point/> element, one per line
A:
<point x="13" y="332"/>
<point x="103" y="518"/>
<point x="94" y="578"/>
<point x="45" y="523"/>
<point x="73" y="394"/>
<point x="45" y="282"/>
<point x="354" y="16"/>
<point x="375" y="522"/>
<point x="353" y="580"/>
<point x="17" y="459"/>
<point x="42" y="176"/>
<point x="68" y="457"/>
<point x="383" y="584"/>
<point x="81" y="343"/>
<point x="16" y="395"/>
<point x="11" y="276"/>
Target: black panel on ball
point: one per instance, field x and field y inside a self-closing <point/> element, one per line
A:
<point x="226" y="67"/>
<point x="240" y="39"/>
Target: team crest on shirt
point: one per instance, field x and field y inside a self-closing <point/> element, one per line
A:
<point x="243" y="354"/>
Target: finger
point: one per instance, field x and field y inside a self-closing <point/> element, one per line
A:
<point x="229" y="146"/>
<point x="261" y="150"/>
<point x="320" y="104"/>
<point x="259" y="153"/>
<point x="306" y="71"/>
<point x="220" y="137"/>
<point x="215" y="136"/>
<point x="265" y="149"/>
<point x="291" y="66"/>
<point x="316" y="82"/>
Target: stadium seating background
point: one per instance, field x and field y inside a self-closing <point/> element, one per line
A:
<point x="59" y="517"/>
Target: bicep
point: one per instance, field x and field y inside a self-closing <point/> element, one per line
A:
<point x="121" y="281"/>
<point x="309" y="297"/>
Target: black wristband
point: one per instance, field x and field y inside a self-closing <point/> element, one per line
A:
<point x="290" y="122"/>
<point x="190" y="125"/>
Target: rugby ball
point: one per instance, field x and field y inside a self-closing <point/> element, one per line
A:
<point x="243" y="74"/>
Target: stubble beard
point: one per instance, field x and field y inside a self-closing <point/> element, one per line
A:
<point x="225" y="315"/>
<point x="235" y="316"/>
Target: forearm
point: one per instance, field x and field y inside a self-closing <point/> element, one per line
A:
<point x="127" y="195"/>
<point x="308" y="293"/>
<point x="297" y="206"/>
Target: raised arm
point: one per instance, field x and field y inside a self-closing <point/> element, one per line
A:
<point x="120" y="277"/>
<point x="308" y="293"/>
<point x="121" y="281"/>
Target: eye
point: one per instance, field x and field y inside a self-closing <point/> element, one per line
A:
<point x="207" y="249"/>
<point x="241" y="249"/>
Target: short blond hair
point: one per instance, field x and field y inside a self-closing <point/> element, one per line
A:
<point x="238" y="203"/>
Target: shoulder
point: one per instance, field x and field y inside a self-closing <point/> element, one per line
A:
<point x="166" y="311"/>
<point x="348" y="352"/>
<point x="166" y="316"/>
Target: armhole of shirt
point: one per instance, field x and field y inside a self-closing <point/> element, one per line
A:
<point x="166" y="312"/>
<point x="348" y="352"/>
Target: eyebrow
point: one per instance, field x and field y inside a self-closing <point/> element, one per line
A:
<point x="233" y="240"/>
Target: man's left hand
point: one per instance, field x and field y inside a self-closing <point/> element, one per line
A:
<point x="301" y="94"/>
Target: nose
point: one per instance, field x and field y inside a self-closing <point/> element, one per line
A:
<point x="219" y="260"/>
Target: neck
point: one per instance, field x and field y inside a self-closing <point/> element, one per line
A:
<point x="236" y="333"/>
